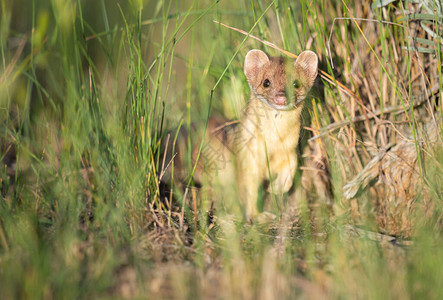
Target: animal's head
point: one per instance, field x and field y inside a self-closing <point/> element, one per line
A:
<point x="281" y="83"/>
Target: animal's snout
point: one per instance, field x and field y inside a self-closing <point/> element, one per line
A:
<point x="280" y="98"/>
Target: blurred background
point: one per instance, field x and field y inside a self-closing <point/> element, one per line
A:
<point x="93" y="206"/>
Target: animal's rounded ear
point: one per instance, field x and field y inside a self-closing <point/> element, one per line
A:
<point x="254" y="60"/>
<point x="306" y="65"/>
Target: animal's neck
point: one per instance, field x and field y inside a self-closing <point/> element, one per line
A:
<point x="261" y="113"/>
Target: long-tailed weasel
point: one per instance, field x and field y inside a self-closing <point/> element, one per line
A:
<point x="271" y="123"/>
<point x="263" y="144"/>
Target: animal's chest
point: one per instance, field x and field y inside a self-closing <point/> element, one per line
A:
<point x="279" y="132"/>
<point x="273" y="138"/>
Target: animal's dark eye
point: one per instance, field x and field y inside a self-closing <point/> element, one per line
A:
<point x="266" y="83"/>
<point x="296" y="84"/>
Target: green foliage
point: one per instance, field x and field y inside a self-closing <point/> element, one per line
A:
<point x="90" y="92"/>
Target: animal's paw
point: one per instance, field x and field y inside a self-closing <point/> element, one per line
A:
<point x="282" y="183"/>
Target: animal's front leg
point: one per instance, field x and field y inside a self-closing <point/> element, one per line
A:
<point x="284" y="176"/>
<point x="249" y="182"/>
<point x="250" y="199"/>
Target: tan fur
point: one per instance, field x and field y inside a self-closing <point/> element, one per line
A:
<point x="274" y="141"/>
